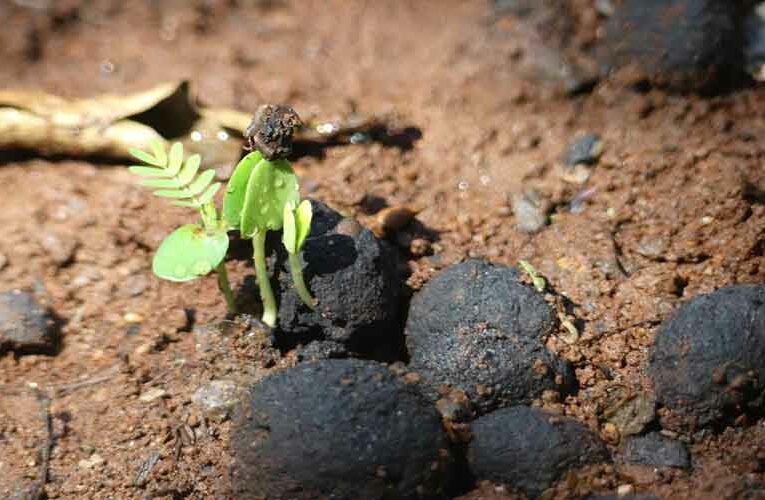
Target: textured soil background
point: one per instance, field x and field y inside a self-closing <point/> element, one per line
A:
<point x="674" y="209"/>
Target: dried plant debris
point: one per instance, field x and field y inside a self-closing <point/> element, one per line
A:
<point x="109" y="125"/>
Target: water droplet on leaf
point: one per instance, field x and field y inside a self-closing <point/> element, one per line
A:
<point x="279" y="183"/>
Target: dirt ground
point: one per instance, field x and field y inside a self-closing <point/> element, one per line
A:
<point x="674" y="208"/>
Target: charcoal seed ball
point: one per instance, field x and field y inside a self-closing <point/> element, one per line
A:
<point x="708" y="360"/>
<point x="684" y="45"/>
<point x="341" y="429"/>
<point x="475" y="327"/>
<point x="353" y="276"/>
<point x="529" y="449"/>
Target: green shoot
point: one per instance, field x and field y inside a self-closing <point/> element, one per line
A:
<point x="538" y="281"/>
<point x="297" y="225"/>
<point x="254" y="203"/>
<point x="192" y="250"/>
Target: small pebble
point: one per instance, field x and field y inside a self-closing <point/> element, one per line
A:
<point x="217" y="398"/>
<point x="25" y="325"/>
<point x="132" y="317"/>
<point x="91" y="462"/>
<point x="59" y="247"/>
<point x="420" y="247"/>
<point x="625" y="489"/>
<point x="530" y="209"/>
<point x="585" y="150"/>
<point x="152" y="395"/>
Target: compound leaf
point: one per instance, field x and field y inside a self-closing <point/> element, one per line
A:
<point x="190" y="169"/>
<point x="146" y="157"/>
<point x="201" y="182"/>
<point x="175" y="159"/>
<point x="208" y="195"/>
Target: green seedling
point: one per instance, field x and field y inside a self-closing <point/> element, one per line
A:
<point x="192" y="250"/>
<point x="297" y="225"/>
<point x="538" y="281"/>
<point x="259" y="195"/>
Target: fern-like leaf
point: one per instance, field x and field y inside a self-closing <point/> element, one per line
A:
<point x="174" y="178"/>
<point x="209" y="194"/>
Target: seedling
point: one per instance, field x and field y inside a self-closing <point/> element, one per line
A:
<point x="192" y="250"/>
<point x="538" y="281"/>
<point x="263" y="195"/>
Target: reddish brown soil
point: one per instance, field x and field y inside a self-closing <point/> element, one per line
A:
<point x="681" y="177"/>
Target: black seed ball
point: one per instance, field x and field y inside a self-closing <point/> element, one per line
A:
<point x="342" y="429"/>
<point x="477" y="328"/>
<point x="530" y="449"/>
<point x="708" y="361"/>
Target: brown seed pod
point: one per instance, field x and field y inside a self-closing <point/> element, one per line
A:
<point x="392" y="219"/>
<point x="271" y="131"/>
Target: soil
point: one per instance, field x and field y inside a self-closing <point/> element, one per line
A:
<point x="673" y="208"/>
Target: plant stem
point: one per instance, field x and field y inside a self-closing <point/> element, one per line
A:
<point x="296" y="270"/>
<point x="225" y="287"/>
<point x="266" y="294"/>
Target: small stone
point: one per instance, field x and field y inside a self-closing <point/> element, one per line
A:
<point x="217" y="398"/>
<point x="584" y="151"/>
<point x="625" y="489"/>
<point x="60" y="247"/>
<point x="610" y="433"/>
<point x="152" y="395"/>
<point x="132" y="318"/>
<point x="93" y="461"/>
<point x="25" y="325"/>
<point x="530" y="209"/>
<point x="420" y="247"/>
<point x="630" y="412"/>
<point x="656" y="450"/>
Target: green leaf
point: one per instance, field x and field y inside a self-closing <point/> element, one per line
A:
<point x="233" y="200"/>
<point x="272" y="185"/>
<point x="289" y="232"/>
<point x="189" y="252"/>
<point x="158" y="148"/>
<point x="161" y="183"/>
<point x="185" y="203"/>
<point x="146" y="157"/>
<point x="201" y="182"/>
<point x="175" y="159"/>
<point x="303" y="217"/>
<point x="190" y="169"/>
<point x="172" y="193"/>
<point x="147" y="171"/>
<point x="208" y="195"/>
